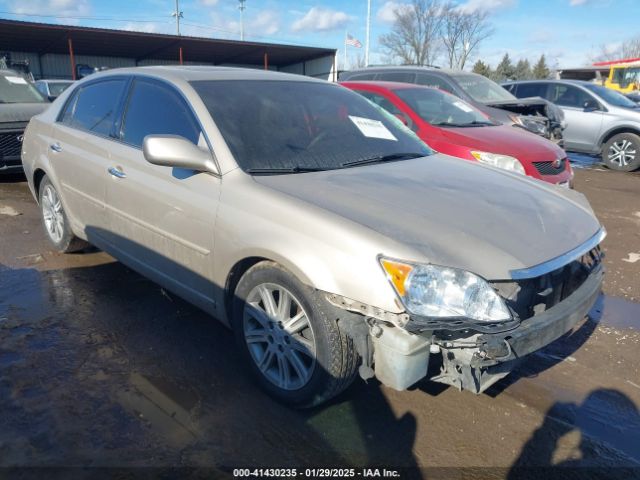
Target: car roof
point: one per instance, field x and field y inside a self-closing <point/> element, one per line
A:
<point x="548" y="80"/>
<point x="383" y="84"/>
<point x="54" y="80"/>
<point x="195" y="73"/>
<point x="435" y="70"/>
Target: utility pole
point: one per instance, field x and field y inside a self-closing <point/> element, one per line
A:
<point x="241" y="7"/>
<point x="178" y="15"/>
<point x="366" y="51"/>
<point x="344" y="66"/>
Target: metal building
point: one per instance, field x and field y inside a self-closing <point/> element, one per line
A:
<point x="56" y="51"/>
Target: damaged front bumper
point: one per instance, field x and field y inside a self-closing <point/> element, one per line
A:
<point x="399" y="349"/>
<point x="483" y="359"/>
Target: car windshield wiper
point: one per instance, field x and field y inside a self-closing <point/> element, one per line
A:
<point x="475" y="123"/>
<point x="383" y="158"/>
<point x="277" y="170"/>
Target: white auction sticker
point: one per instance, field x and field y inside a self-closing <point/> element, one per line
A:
<point x="463" y="106"/>
<point x="18" y="80"/>
<point x="372" y="128"/>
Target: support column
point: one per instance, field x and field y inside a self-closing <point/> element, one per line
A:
<point x="266" y="61"/>
<point x="73" y="59"/>
<point x="180" y="55"/>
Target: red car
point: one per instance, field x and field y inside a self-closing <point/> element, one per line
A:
<point x="452" y="126"/>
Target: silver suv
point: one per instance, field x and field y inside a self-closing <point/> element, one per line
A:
<point x="315" y="225"/>
<point x="599" y="120"/>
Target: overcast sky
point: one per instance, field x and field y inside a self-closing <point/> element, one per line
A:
<point x="568" y="31"/>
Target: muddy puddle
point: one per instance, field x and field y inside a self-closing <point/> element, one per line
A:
<point x="616" y="312"/>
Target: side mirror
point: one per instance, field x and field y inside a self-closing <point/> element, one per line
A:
<point x="176" y="151"/>
<point x="591" y="106"/>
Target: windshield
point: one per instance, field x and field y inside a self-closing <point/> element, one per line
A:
<point x="15" y="89"/>
<point x="626" y="75"/>
<point x="301" y="126"/>
<point x="441" y="109"/>
<point x="56" y="88"/>
<point x="481" y="89"/>
<point x="610" y="96"/>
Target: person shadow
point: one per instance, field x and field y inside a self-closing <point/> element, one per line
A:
<point x="598" y="438"/>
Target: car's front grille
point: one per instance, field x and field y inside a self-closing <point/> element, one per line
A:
<point x="10" y="144"/>
<point x="533" y="296"/>
<point x="548" y="168"/>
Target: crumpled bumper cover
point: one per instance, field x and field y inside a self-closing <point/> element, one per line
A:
<point x="539" y="331"/>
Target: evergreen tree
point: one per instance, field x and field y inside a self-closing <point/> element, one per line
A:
<point x="540" y="70"/>
<point x="505" y="69"/>
<point x="523" y="70"/>
<point x="482" y="68"/>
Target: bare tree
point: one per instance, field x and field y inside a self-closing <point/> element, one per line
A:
<point x="462" y="32"/>
<point x="630" y="48"/>
<point x="415" y="37"/>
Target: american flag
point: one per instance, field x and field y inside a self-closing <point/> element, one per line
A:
<point x="354" y="42"/>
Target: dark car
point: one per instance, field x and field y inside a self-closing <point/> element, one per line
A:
<point x="19" y="101"/>
<point x="534" y="114"/>
<point x="52" y="88"/>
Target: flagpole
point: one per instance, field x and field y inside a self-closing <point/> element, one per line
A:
<point x="366" y="52"/>
<point x="344" y="65"/>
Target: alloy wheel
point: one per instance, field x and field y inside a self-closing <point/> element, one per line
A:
<point x="52" y="214"/>
<point x="279" y="336"/>
<point x="622" y="152"/>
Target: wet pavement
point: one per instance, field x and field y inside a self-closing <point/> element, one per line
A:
<point x="100" y="367"/>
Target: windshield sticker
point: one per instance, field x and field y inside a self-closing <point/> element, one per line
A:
<point x="16" y="80"/>
<point x="372" y="128"/>
<point x="463" y="106"/>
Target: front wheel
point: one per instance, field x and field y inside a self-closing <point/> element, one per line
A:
<point x="294" y="348"/>
<point x="55" y="220"/>
<point x="622" y="152"/>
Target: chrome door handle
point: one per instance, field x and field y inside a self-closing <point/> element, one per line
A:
<point x="116" y="172"/>
<point x="56" y="147"/>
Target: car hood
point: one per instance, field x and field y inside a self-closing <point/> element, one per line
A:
<point x="20" y="112"/>
<point x="530" y="106"/>
<point x="452" y="212"/>
<point x="506" y="140"/>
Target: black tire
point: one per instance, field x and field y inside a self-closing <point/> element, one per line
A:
<point x="632" y="143"/>
<point x="336" y="360"/>
<point x="67" y="242"/>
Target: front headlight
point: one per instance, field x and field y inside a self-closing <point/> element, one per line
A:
<point x="536" y="126"/>
<point x="443" y="292"/>
<point x="501" y="161"/>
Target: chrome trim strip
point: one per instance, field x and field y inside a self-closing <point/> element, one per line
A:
<point x="562" y="260"/>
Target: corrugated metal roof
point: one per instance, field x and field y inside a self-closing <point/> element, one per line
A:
<point x="45" y="38"/>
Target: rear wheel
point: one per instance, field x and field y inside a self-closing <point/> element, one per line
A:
<point x="55" y="221"/>
<point x="622" y="152"/>
<point x="292" y="345"/>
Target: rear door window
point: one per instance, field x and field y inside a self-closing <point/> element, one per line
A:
<point x="434" y="82"/>
<point x="95" y="106"/>
<point x="569" y="96"/>
<point x="405" y="77"/>
<point x="362" y="76"/>
<point x="157" y="109"/>
<point x="526" y="90"/>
